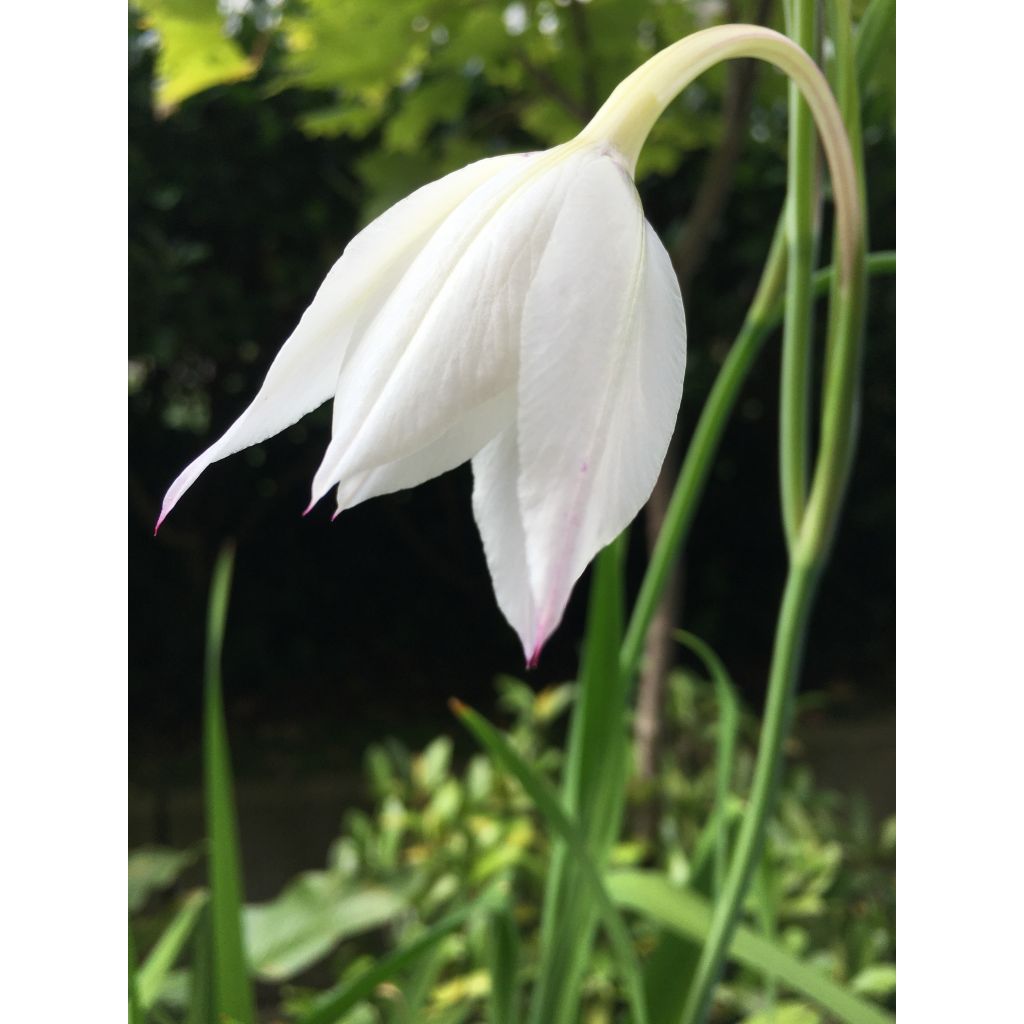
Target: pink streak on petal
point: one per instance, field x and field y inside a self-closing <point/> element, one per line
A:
<point x="337" y="512"/>
<point x="165" y="511"/>
<point x="534" y="656"/>
<point x="309" y="508"/>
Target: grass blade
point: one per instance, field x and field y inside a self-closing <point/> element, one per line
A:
<point x="593" y="791"/>
<point x="200" y="1000"/>
<point x="725" y="750"/>
<point x="134" y="1008"/>
<point x="547" y="802"/>
<point x="669" y="971"/>
<point x="233" y="995"/>
<point x="153" y="973"/>
<point x="503" y="961"/>
<point x="342" y="998"/>
<point x="688" y="914"/>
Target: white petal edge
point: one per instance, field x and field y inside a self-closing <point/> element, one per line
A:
<point x="304" y="373"/>
<point x="448" y="336"/>
<point x="455" y="446"/>
<point x="602" y="361"/>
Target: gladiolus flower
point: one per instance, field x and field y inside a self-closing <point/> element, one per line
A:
<point x="520" y="313"/>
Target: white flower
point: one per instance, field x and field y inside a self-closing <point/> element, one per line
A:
<point x="521" y="313"/>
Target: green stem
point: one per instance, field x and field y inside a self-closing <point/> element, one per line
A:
<point x="797" y="601"/>
<point x="794" y="398"/>
<point x="700" y="455"/>
<point x="808" y="554"/>
<point x="764" y="316"/>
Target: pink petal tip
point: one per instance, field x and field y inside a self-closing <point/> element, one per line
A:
<point x="534" y="656"/>
<point x="337" y="512"/>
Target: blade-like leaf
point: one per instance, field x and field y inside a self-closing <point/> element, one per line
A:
<point x="153" y="973"/>
<point x="200" y="1001"/>
<point x="688" y="914"/>
<point x="593" y="790"/>
<point x="503" y="961"/>
<point x="232" y="989"/>
<point x="546" y="800"/>
<point x="725" y="748"/>
<point x="134" y="1008"/>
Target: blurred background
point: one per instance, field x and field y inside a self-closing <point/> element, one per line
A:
<point x="262" y="137"/>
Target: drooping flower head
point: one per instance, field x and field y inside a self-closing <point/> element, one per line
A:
<point x="520" y="313"/>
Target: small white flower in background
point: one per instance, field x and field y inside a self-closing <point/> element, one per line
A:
<point x="521" y="313"/>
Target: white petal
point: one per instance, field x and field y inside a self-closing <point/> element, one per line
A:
<point x="601" y="374"/>
<point x="447" y="339"/>
<point x="496" y="510"/>
<point x="455" y="446"/>
<point x="305" y="371"/>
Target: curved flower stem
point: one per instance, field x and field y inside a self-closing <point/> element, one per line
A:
<point x="808" y="554"/>
<point x="629" y="113"/>
<point x="794" y="385"/>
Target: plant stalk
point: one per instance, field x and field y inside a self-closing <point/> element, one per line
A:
<point x="795" y="382"/>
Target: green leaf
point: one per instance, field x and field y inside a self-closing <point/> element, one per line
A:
<point x="725" y="748"/>
<point x="339" y="1000"/>
<point x="135" y="1015"/>
<point x="593" y="791"/>
<point x="152" y="869"/>
<point x="309" y="918"/>
<point x="201" y="1009"/>
<point x="233" y="994"/>
<point x="153" y="973"/>
<point x="546" y="800"/>
<point x="784" y="1013"/>
<point x="503" y="961"/>
<point x="877" y="981"/>
<point x="688" y="914"/>
<point x="195" y="54"/>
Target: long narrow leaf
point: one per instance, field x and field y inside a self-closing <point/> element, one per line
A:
<point x="134" y="1008"/>
<point x="201" y="1008"/>
<point x="153" y="973"/>
<point x="593" y="792"/>
<point x="546" y="800"/>
<point x="342" y="998"/>
<point x="688" y="914"/>
<point x="232" y="988"/>
<point x="725" y="747"/>
<point x="503" y="962"/>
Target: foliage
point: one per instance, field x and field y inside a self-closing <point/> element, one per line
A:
<point x="437" y="836"/>
<point x="462" y="888"/>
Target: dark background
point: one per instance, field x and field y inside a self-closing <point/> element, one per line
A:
<point x="342" y="634"/>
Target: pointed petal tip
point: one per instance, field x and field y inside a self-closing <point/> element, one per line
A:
<point x="308" y="508"/>
<point x="534" y="656"/>
<point x="337" y="512"/>
<point x="164" y="513"/>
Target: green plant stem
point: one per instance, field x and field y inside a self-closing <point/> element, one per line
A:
<point x="763" y="317"/>
<point x="700" y="455"/>
<point x="809" y="551"/>
<point x="840" y="402"/>
<point x="794" y="397"/>
<point x="797" y="600"/>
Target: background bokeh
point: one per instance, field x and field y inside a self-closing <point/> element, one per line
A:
<point x="241" y="197"/>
